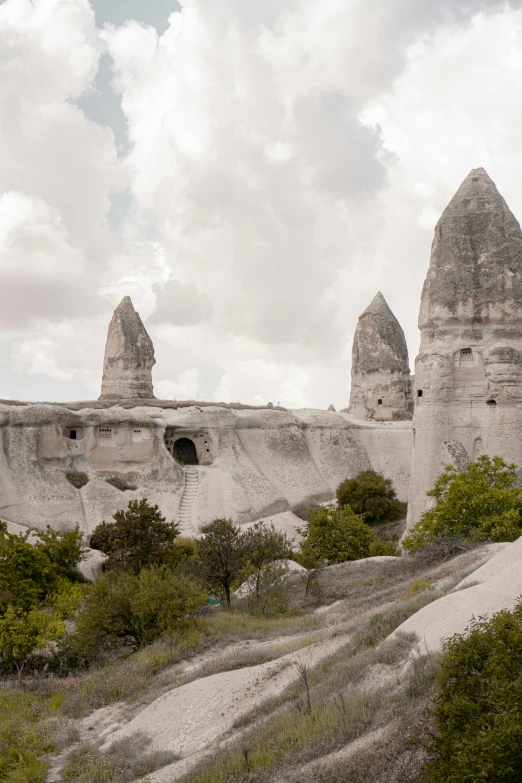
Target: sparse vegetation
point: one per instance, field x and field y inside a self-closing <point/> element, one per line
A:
<point x="122" y="483"/>
<point x="478" y="705"/>
<point x="481" y="503"/>
<point x="77" y="478"/>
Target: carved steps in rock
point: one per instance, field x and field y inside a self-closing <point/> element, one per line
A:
<point x="187" y="501"/>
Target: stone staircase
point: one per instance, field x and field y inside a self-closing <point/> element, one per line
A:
<point x="187" y="501"/>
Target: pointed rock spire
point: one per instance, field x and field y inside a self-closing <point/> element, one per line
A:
<point x="475" y="272"/>
<point x="381" y="384"/>
<point x="129" y="356"/>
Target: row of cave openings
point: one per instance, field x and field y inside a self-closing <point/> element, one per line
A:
<point x="182" y="449"/>
<point x="466" y="371"/>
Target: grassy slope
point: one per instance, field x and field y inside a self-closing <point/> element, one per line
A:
<point x="358" y="690"/>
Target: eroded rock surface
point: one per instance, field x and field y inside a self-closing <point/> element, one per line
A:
<point x="129" y="356"/>
<point x="381" y="384"/>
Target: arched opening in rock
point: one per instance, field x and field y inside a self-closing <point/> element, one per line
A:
<point x="379" y="402"/>
<point x="492" y="402"/>
<point x="184" y="452"/>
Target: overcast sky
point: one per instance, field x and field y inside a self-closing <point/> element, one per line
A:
<point x="250" y="172"/>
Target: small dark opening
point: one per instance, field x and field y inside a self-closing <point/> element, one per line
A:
<point x="466" y="352"/>
<point x="419" y="393"/>
<point x="72" y="435"/>
<point x="208" y="451"/>
<point x="379" y="402"/>
<point x="492" y="402"/>
<point x="185" y="452"/>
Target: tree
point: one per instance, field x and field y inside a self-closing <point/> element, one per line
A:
<point x="26" y="575"/>
<point x="336" y="535"/>
<point x="122" y="609"/>
<point x="22" y="633"/>
<point x="64" y="550"/>
<point x="478" y="707"/>
<point x="264" y="545"/>
<point x="371" y="496"/>
<point x="139" y="538"/>
<point x="222" y="554"/>
<point x="481" y="503"/>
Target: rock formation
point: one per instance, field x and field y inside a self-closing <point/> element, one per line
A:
<point x="129" y="356"/>
<point x="468" y="374"/>
<point x="381" y="384"/>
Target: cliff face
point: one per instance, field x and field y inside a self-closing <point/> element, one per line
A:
<point x="246" y="464"/>
<point x="381" y="385"/>
<point x="468" y="374"/>
<point x="129" y="356"/>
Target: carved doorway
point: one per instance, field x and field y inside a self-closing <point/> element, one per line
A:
<point x="184" y="452"/>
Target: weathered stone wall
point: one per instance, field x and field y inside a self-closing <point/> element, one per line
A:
<point x="264" y="461"/>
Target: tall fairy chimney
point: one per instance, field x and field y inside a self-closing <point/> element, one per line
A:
<point x="381" y="383"/>
<point x="468" y="374"/>
<point x="129" y="356"/>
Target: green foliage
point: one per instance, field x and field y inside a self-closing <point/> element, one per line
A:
<point x="21" y="634"/>
<point x="263" y="546"/>
<point x="66" y="598"/>
<point x="478" y="708"/>
<point x="77" y="478"/>
<point x="222" y="555"/>
<point x="481" y="503"/>
<point x="122" y="609"/>
<point x="138" y="538"/>
<point x="372" y="497"/>
<point x="336" y="535"/>
<point x="26" y="575"/>
<point x="64" y="550"/>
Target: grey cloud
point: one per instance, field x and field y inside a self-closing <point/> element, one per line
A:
<point x="153" y="12"/>
<point x="181" y="304"/>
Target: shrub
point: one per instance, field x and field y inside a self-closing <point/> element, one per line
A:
<point x="264" y="545"/>
<point x="27" y="574"/>
<point x="138" y="538"/>
<point x="21" y="634"/>
<point x="64" y="550"/>
<point x="481" y="503"/>
<point x="336" y="535"/>
<point x="371" y="496"/>
<point x="122" y="609"/>
<point x="121" y="483"/>
<point x="222" y="555"/>
<point x="478" y="707"/>
<point x="77" y="478"/>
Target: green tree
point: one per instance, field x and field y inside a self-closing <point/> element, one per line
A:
<point x="139" y="537"/>
<point x="264" y="545"/>
<point x="22" y="633"/>
<point x="64" y="550"/>
<point x="122" y="609"/>
<point x="222" y="554"/>
<point x="478" y="708"/>
<point x="371" y="496"/>
<point x="481" y="503"/>
<point x="26" y="575"/>
<point x="336" y="534"/>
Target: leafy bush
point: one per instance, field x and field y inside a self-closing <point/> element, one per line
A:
<point x="77" y="478"/>
<point x="22" y="633"/>
<point x="222" y="555"/>
<point x="481" y="503"/>
<point x="64" y="550"/>
<point x="26" y="575"/>
<point x="336" y="535"/>
<point x="371" y="496"/>
<point x="138" y="538"/>
<point x="132" y="610"/>
<point x="121" y="483"/>
<point x="264" y="545"/>
<point x="478" y="708"/>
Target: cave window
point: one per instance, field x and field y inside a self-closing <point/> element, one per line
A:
<point x="379" y="402"/>
<point x="105" y="432"/>
<point x="466" y="355"/>
<point x="419" y="392"/>
<point x="72" y="435"/>
<point x="184" y="452"/>
<point x="491" y="402"/>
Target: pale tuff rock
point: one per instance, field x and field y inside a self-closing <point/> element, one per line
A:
<point x="476" y="260"/>
<point x="468" y="374"/>
<point x="129" y="356"/>
<point x="381" y="385"/>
